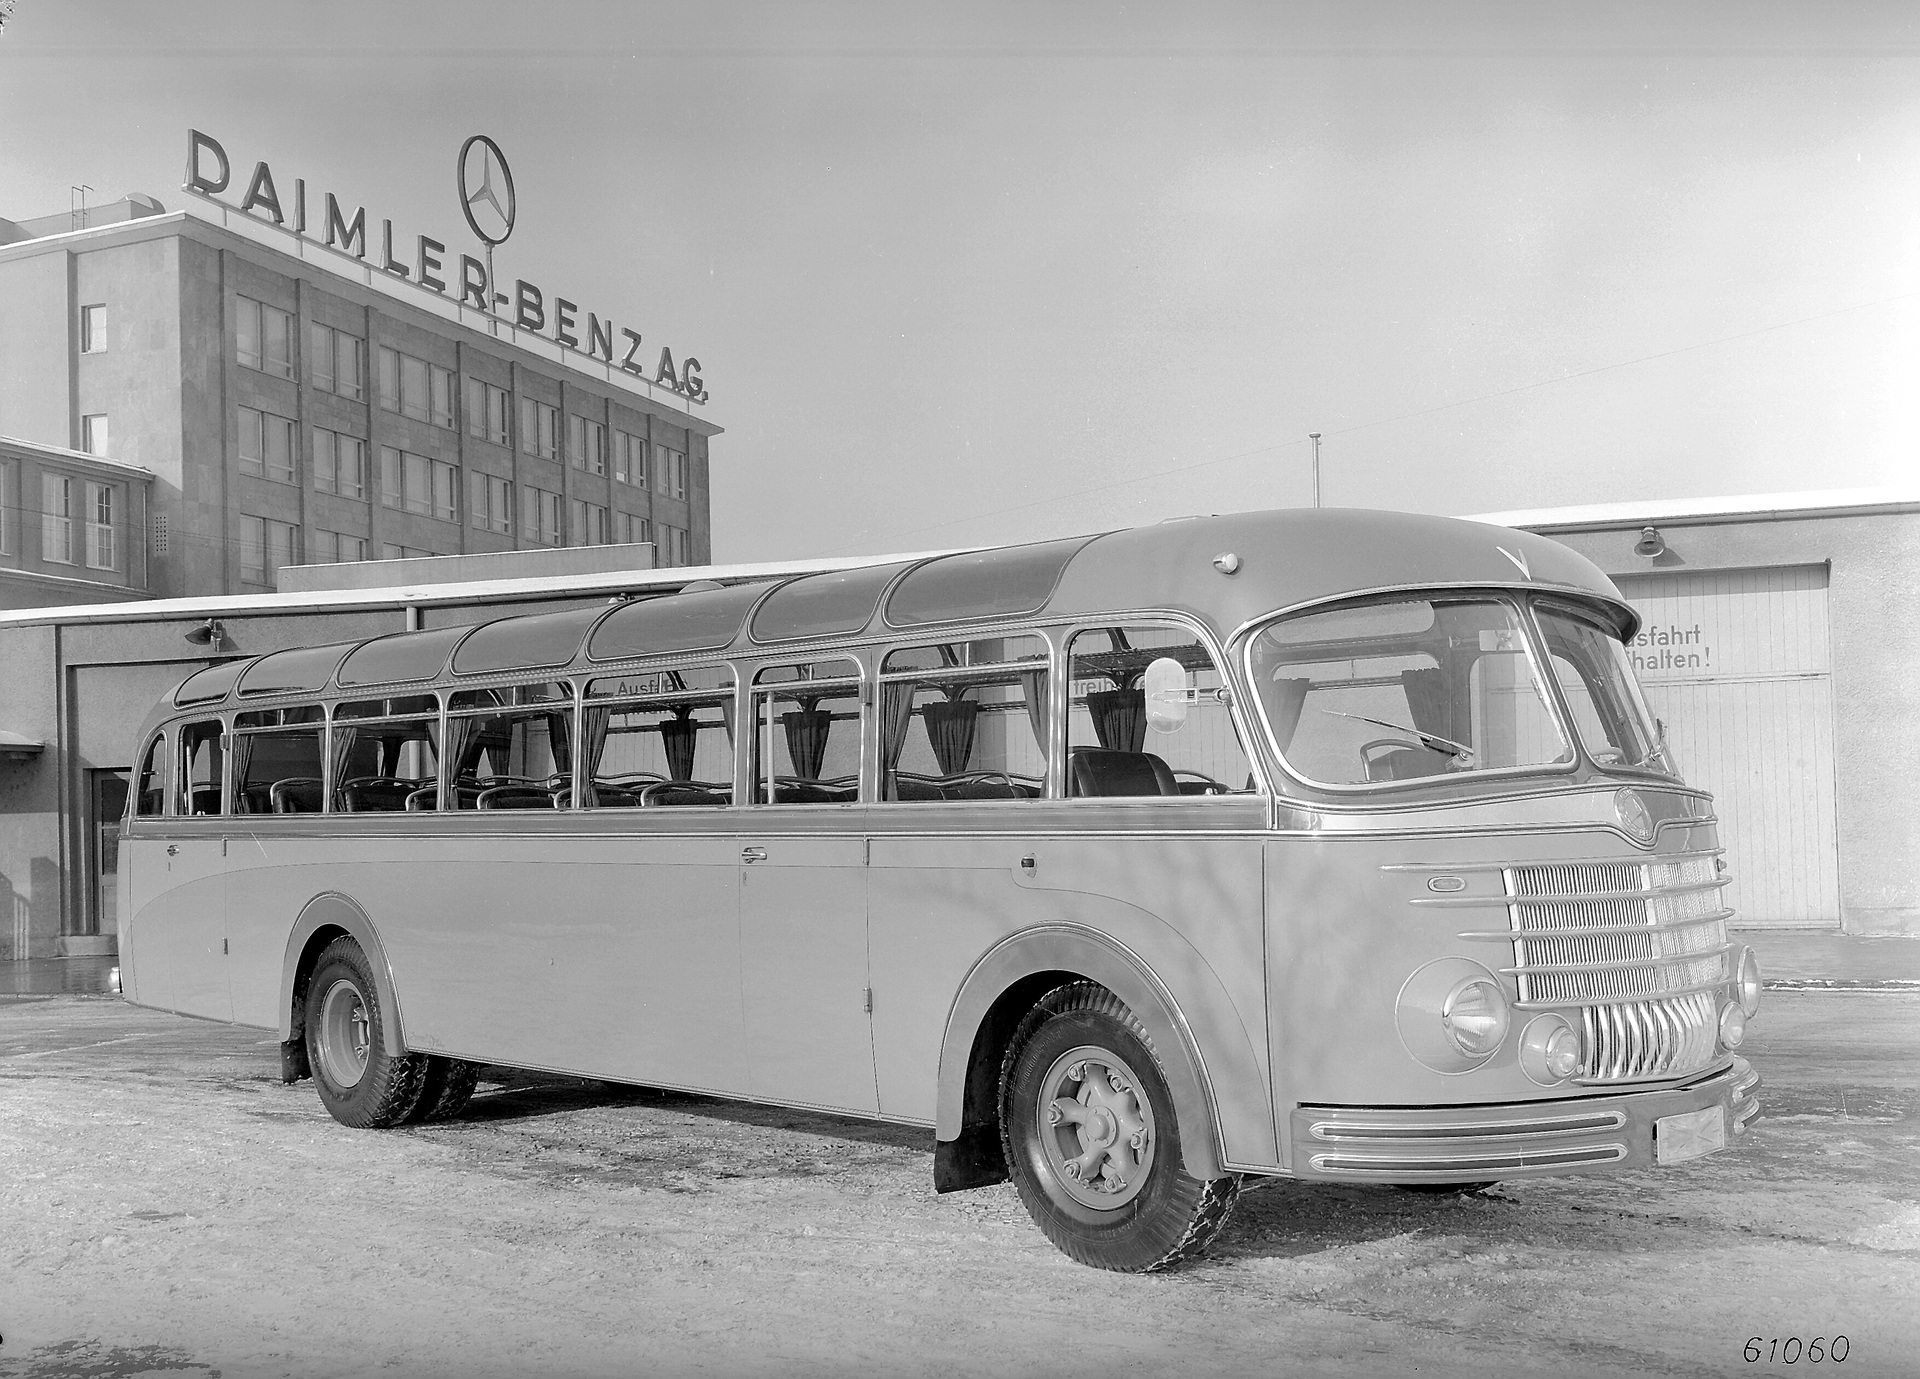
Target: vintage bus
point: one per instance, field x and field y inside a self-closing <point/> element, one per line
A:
<point x="1329" y="845"/>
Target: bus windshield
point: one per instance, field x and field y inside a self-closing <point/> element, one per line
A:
<point x="1590" y="665"/>
<point x="1406" y="689"/>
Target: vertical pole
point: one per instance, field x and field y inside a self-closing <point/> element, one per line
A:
<point x="1314" y="436"/>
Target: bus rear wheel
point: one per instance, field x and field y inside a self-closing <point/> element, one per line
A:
<point x="359" y="1082"/>
<point x="1091" y="1139"/>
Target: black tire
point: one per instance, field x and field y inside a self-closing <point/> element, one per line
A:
<point x="445" y="1089"/>
<point x="359" y="1082"/>
<point x="1155" y="1218"/>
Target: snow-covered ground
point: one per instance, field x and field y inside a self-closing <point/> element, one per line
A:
<point x="169" y="1207"/>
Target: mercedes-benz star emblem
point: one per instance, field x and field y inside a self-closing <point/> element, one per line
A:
<point x="486" y="189"/>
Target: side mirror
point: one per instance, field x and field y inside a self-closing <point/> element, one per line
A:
<point x="1167" y="695"/>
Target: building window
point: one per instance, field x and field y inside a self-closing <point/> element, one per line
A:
<point x="93" y="433"/>
<point x="93" y="329"/>
<point x="389" y="551"/>
<point x="56" y="519"/>
<point x="542" y="517"/>
<point x="633" y="527"/>
<point x="672" y="468"/>
<point x="418" y="484"/>
<point x="676" y="546"/>
<point x="265" y="337"/>
<point x="100" y="547"/>
<point x="592" y="524"/>
<point x="266" y="446"/>
<point x="586" y="445"/>
<point x="414" y="388"/>
<point x="629" y="459"/>
<point x="339" y="362"/>
<point x="339" y="463"/>
<point x="487" y="412"/>
<point x="492" y="503"/>
<point x="266" y="546"/>
<point x="539" y="429"/>
<point x="332" y="547"/>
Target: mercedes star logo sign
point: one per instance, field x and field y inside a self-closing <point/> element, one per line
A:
<point x="486" y="189"/>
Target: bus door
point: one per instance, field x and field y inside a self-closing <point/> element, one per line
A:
<point x="179" y="923"/>
<point x="803" y="895"/>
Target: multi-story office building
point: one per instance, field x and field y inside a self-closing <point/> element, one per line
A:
<point x="294" y="404"/>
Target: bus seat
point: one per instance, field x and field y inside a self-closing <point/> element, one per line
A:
<point x="604" y="796"/>
<point x="204" y="799"/>
<point x="515" y="797"/>
<point x="426" y="797"/>
<point x="1100" y="771"/>
<point x="377" y="794"/>
<point x="671" y="792"/>
<point x="916" y="789"/>
<point x="295" y="795"/>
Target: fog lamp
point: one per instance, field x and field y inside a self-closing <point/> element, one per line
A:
<point x="1475" y="1017"/>
<point x="1733" y="1025"/>
<point x="1747" y="982"/>
<point x="1550" y="1050"/>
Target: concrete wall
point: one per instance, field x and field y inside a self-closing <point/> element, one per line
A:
<point x="1874" y="583"/>
<point x="36" y="350"/>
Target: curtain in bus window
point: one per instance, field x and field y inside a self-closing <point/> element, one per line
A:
<point x="950" y="731"/>
<point x="1119" y="718"/>
<point x="807" y="731"/>
<point x="242" y="755"/>
<point x="679" y="736"/>
<point x="339" y="753"/>
<point x="1033" y="685"/>
<point x="1430" y="701"/>
<point x="593" y="732"/>
<point x="896" y="712"/>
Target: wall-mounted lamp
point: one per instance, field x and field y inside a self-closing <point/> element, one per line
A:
<point x="209" y="634"/>
<point x="1651" y="544"/>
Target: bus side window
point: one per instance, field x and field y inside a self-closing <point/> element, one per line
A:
<point x="659" y="737"/>
<point x="201" y="761"/>
<point x="965" y="720"/>
<point x="511" y="748"/>
<point x="1114" y="747"/>
<point x="150" y="792"/>
<point x="278" y="770"/>
<point x="383" y="754"/>
<point x="807" y="733"/>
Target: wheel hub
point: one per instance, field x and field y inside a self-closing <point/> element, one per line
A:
<point x="1096" y="1130"/>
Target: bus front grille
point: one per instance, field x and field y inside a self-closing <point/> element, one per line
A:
<point x="1639" y="945"/>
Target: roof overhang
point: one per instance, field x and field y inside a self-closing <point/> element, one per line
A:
<point x="19" y="747"/>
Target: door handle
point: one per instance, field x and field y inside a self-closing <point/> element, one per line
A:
<point x="753" y="854"/>
<point x="172" y="850"/>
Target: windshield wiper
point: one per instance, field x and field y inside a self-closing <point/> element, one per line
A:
<point x="1432" y="739"/>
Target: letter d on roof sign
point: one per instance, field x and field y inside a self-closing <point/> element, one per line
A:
<point x="196" y="180"/>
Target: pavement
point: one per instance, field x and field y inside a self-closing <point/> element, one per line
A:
<point x="1790" y="960"/>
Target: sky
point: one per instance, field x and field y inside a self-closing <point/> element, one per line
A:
<point x="970" y="273"/>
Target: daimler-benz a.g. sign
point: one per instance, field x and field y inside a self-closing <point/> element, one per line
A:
<point x="489" y="204"/>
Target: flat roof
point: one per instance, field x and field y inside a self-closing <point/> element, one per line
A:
<point x="438" y="594"/>
<point x="1828" y="502"/>
<point x="76" y="456"/>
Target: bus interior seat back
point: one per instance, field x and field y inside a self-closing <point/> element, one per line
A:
<point x="296" y="795"/>
<point x="377" y="795"/>
<point x="672" y="792"/>
<point x="1102" y="771"/>
<point x="516" y="797"/>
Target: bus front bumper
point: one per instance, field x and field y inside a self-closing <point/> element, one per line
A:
<point x="1465" y="1144"/>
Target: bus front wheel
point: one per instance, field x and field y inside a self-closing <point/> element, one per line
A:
<point x="1091" y="1140"/>
<point x="360" y="1083"/>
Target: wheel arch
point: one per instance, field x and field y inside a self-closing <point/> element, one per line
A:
<point x="323" y="919"/>
<point x="1003" y="985"/>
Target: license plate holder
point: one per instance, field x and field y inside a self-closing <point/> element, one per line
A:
<point x="1691" y="1135"/>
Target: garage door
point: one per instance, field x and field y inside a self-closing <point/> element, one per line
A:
<point x="1736" y="662"/>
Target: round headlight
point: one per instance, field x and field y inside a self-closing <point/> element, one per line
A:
<point x="1475" y="1017"/>
<point x="1747" y="982"/>
<point x="1550" y="1049"/>
<point x="1733" y="1025"/>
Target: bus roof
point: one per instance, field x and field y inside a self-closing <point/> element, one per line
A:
<point x="1224" y="571"/>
